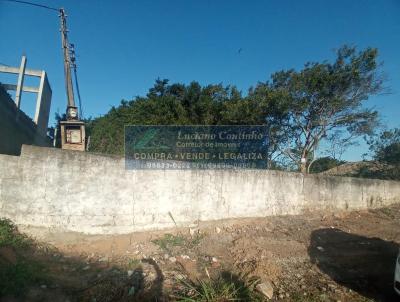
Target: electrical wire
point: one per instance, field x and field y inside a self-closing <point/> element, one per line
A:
<point x="78" y="93"/>
<point x="74" y="66"/>
<point x="33" y="4"/>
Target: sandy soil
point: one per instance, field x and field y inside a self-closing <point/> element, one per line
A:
<point x="347" y="256"/>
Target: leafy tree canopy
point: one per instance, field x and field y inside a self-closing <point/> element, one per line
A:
<point x="324" y="98"/>
<point x="321" y="102"/>
<point x="386" y="147"/>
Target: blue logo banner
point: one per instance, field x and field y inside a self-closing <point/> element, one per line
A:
<point x="196" y="147"/>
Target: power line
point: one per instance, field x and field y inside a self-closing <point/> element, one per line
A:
<point x="79" y="95"/>
<point x="68" y="51"/>
<point x="33" y="4"/>
<point x="73" y="66"/>
<point x="78" y="92"/>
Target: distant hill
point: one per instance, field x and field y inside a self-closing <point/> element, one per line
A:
<point x="365" y="169"/>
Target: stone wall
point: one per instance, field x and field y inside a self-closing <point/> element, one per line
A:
<point x="16" y="128"/>
<point x="74" y="191"/>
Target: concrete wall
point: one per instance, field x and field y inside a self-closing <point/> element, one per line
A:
<point x="16" y="128"/>
<point x="69" y="190"/>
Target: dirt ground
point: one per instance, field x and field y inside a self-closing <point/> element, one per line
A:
<point x="347" y="256"/>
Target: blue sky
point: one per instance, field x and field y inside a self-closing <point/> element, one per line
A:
<point x="123" y="46"/>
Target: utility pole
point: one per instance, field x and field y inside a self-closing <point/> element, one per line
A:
<point x="73" y="129"/>
<point x="71" y="108"/>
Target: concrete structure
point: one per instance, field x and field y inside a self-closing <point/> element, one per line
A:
<point x="16" y="128"/>
<point x="73" y="135"/>
<point x="43" y="101"/>
<point x="75" y="191"/>
<point x="72" y="130"/>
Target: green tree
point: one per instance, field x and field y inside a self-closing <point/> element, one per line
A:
<point x="327" y="97"/>
<point x="262" y="106"/>
<point x="165" y="104"/>
<point x="386" y="147"/>
<point x="323" y="102"/>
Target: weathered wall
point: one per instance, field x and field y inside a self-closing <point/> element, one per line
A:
<point x="16" y="128"/>
<point x="69" y="190"/>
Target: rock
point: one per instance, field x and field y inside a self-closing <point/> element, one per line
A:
<point x="172" y="259"/>
<point x="185" y="257"/>
<point x="213" y="259"/>
<point x="130" y="273"/>
<point x="166" y="256"/>
<point x="180" y="277"/>
<point x="217" y="230"/>
<point x="193" y="231"/>
<point x="266" y="289"/>
<point x="320" y="248"/>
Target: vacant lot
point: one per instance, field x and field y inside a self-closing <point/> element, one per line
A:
<point x="347" y="256"/>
